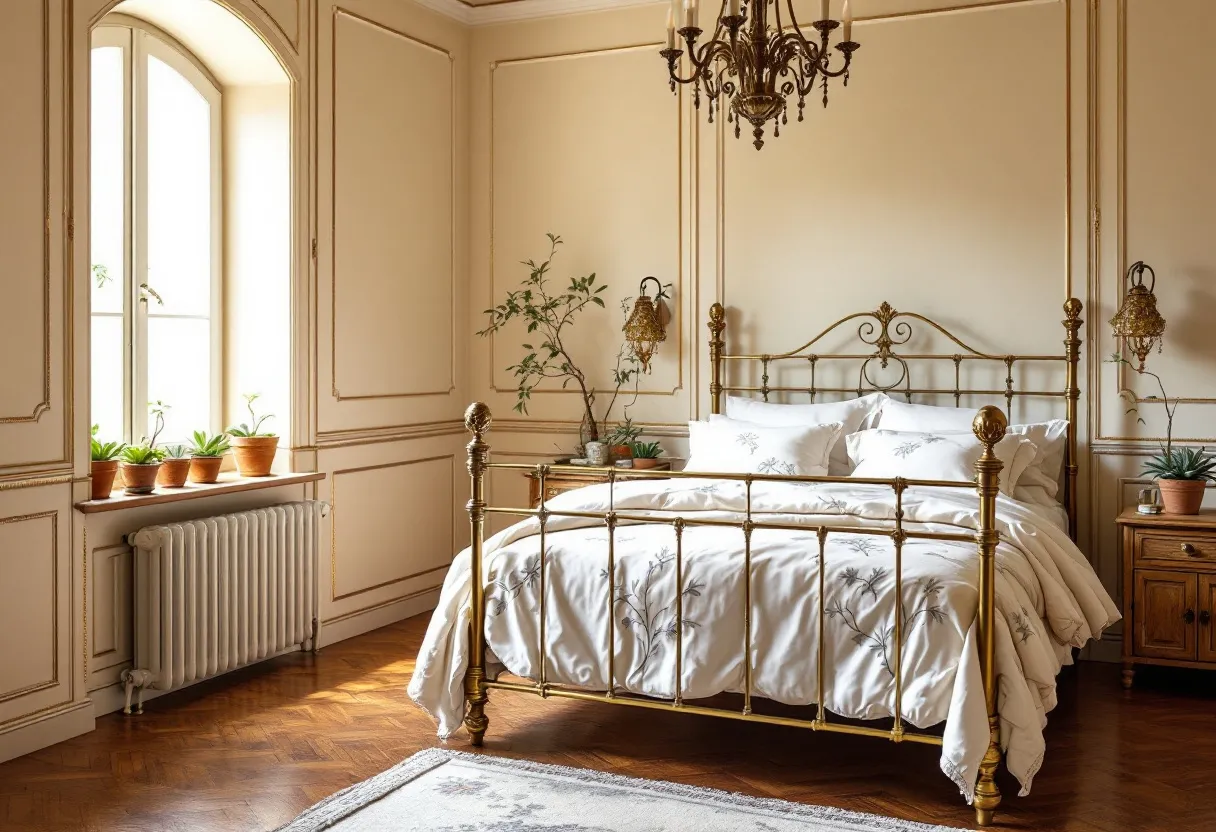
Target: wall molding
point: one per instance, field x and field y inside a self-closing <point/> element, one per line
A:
<point x="53" y="516"/>
<point x="507" y="11"/>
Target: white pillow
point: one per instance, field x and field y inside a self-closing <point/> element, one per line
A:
<point x="729" y="447"/>
<point x="853" y="414"/>
<point x="1050" y="438"/>
<point x="884" y="454"/>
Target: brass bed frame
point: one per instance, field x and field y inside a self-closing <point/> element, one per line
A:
<point x="884" y="330"/>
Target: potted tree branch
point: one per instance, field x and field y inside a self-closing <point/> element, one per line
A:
<point x="207" y="456"/>
<point x="103" y="465"/>
<point x="1182" y="474"/>
<point x="548" y="314"/>
<point x="254" y="449"/>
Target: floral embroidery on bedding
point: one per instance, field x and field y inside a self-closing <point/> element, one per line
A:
<point x="1022" y="625"/>
<point x="772" y="465"/>
<point x="906" y="449"/>
<point x="653" y="628"/>
<point x="748" y="440"/>
<point x="506" y="589"/>
<point x="860" y="544"/>
<point x="925" y="610"/>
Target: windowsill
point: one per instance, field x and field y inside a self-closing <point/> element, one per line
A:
<point x="227" y="484"/>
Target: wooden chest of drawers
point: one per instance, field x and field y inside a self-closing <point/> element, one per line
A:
<point x="557" y="482"/>
<point x="1169" y="591"/>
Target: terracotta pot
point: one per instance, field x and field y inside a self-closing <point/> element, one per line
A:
<point x="140" y="479"/>
<point x="640" y="463"/>
<point x="173" y="472"/>
<point x="1181" y="496"/>
<point x="254" y="454"/>
<point x="205" y="468"/>
<point x="620" y="452"/>
<point x="103" y="478"/>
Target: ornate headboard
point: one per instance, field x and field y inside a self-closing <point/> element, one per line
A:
<point x="883" y="368"/>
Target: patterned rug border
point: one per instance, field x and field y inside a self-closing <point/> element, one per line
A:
<point x="338" y="806"/>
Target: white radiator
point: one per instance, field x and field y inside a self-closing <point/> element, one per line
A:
<point x="219" y="593"/>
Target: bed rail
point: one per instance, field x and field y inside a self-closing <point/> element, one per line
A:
<point x="989" y="427"/>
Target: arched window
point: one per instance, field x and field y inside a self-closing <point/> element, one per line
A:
<point x="155" y="225"/>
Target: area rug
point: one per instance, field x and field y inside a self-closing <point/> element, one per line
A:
<point x="452" y="791"/>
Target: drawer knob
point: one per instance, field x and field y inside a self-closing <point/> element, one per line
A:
<point x="1205" y="617"/>
<point x="1189" y="550"/>
<point x="1189" y="616"/>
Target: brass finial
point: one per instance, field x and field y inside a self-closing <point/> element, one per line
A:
<point x="477" y="418"/>
<point x="989" y="425"/>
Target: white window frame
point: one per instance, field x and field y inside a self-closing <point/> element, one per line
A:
<point x="139" y="41"/>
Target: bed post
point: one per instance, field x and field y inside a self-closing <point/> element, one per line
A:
<point x="1072" y="351"/>
<point x="717" y="325"/>
<point x="989" y="427"/>
<point x="477" y="421"/>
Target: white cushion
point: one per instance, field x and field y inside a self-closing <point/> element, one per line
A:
<point x="853" y="414"/>
<point x="730" y="447"/>
<point x="884" y="454"/>
<point x="1050" y="438"/>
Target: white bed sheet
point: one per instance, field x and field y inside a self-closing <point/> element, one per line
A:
<point x="1048" y="597"/>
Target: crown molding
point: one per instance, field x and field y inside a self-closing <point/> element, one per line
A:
<point x="512" y="10"/>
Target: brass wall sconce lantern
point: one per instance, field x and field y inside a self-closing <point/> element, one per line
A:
<point x="1138" y="323"/>
<point x="643" y="329"/>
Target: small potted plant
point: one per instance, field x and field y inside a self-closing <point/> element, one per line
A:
<point x="253" y="449"/>
<point x="1182" y="474"/>
<point x="141" y="463"/>
<point x="207" y="456"/>
<point x="175" y="466"/>
<point x="620" y="440"/>
<point x="103" y="465"/>
<point x="645" y="454"/>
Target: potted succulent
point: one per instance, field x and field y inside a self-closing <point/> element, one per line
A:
<point x="103" y="465"/>
<point x="1182" y="474"/>
<point x="253" y="449"/>
<point x="175" y="466"/>
<point x="645" y="454"/>
<point x="207" y="456"/>
<point x="141" y="463"/>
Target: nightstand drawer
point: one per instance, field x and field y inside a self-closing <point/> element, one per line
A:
<point x="1176" y="547"/>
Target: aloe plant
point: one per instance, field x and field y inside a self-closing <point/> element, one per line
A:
<point x="176" y="451"/>
<point x="103" y="452"/>
<point x="254" y="426"/>
<point x="645" y="450"/>
<point x="204" y="445"/>
<point x="141" y="455"/>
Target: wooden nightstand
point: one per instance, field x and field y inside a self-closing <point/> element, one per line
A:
<point x="558" y="481"/>
<point x="1169" y="590"/>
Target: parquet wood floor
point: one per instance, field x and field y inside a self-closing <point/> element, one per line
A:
<point x="251" y="750"/>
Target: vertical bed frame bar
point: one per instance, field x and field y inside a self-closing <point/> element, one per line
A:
<point x="477" y="421"/>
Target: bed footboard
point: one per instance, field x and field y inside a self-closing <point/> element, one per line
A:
<point x="989" y="427"/>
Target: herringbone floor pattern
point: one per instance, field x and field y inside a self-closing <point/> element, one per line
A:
<point x="251" y="750"/>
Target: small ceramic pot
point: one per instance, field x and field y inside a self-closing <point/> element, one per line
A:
<point x="641" y="463"/>
<point x="1182" y="496"/>
<point x="140" y="479"/>
<point x="254" y="454"/>
<point x="205" y="468"/>
<point x="620" y="452"/>
<point x="103" y="478"/>
<point x="596" y="453"/>
<point x="173" y="472"/>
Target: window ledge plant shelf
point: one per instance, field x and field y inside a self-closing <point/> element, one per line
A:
<point x="227" y="484"/>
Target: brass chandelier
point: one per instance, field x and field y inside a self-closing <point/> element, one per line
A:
<point x="758" y="59"/>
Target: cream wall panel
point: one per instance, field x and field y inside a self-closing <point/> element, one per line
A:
<point x="36" y="602"/>
<point x="606" y="177"/>
<point x="1163" y="190"/>
<point x="391" y="213"/>
<point x="286" y="15"/>
<point x="34" y="426"/>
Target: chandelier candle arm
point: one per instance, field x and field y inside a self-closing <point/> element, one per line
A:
<point x="758" y="66"/>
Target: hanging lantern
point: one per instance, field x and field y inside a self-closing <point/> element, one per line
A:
<point x="643" y="330"/>
<point x="1138" y="323"/>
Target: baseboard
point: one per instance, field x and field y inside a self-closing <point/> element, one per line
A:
<point x="342" y="628"/>
<point x="47" y="728"/>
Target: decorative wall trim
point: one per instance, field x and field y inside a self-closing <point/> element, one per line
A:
<point x="371" y="608"/>
<point x="506" y="11"/>
<point x="680" y="238"/>
<point x="36" y="482"/>
<point x="54" y="680"/>
<point x="329" y="440"/>
<point x="333" y="177"/>
<point x="333" y="525"/>
<point x="292" y="41"/>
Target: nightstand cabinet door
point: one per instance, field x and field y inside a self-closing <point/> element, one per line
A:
<point x="1207" y="618"/>
<point x="1165" y="614"/>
